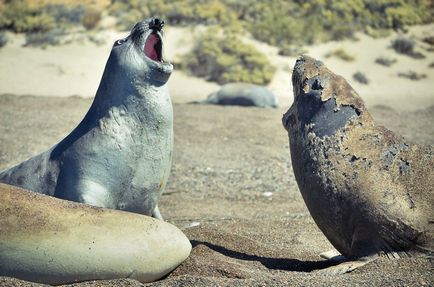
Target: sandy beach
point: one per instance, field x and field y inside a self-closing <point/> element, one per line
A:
<point x="231" y="170"/>
<point x="75" y="69"/>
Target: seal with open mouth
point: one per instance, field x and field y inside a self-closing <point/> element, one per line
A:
<point x="369" y="191"/>
<point x="119" y="156"/>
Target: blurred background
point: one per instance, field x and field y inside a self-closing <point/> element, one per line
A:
<point x="384" y="48"/>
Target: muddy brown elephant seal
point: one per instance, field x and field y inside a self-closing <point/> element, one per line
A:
<point x="369" y="190"/>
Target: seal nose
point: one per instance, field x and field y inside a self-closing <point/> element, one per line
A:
<point x="156" y="24"/>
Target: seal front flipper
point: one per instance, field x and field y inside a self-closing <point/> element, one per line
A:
<point x="156" y="213"/>
<point x="346" y="267"/>
<point x="333" y="255"/>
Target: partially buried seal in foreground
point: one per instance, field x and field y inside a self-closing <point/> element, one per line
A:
<point x="119" y="156"/>
<point x="52" y="241"/>
<point x="368" y="190"/>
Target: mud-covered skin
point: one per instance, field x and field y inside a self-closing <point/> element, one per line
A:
<point x="119" y="156"/>
<point x="243" y="94"/>
<point x="369" y="191"/>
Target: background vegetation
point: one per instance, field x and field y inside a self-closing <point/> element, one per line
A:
<point x="222" y="57"/>
<point x="283" y="22"/>
<point x="22" y="17"/>
<point x="286" y="24"/>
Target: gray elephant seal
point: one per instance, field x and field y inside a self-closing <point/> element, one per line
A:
<point x="119" y="156"/>
<point x="52" y="241"/>
<point x="243" y="94"/>
<point x="368" y="190"/>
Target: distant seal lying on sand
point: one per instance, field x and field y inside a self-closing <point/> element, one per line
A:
<point x="119" y="156"/>
<point x="243" y="94"/>
<point x="368" y="190"/>
<point x="52" y="241"/>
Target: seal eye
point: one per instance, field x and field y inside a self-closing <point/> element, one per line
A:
<point x="119" y="42"/>
<point x="153" y="47"/>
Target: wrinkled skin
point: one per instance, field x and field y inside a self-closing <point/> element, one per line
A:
<point x="119" y="156"/>
<point x="368" y="190"/>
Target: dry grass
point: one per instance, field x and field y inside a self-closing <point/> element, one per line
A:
<point x="94" y="3"/>
<point x="341" y="54"/>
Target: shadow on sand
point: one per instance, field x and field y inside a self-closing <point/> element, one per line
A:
<point x="271" y="263"/>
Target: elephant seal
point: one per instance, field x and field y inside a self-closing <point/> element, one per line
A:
<point x="47" y="240"/>
<point x="369" y="191"/>
<point x="243" y="94"/>
<point x="119" y="156"/>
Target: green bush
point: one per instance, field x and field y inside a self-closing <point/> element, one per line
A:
<point x="181" y="12"/>
<point x="19" y="17"/>
<point x="281" y="22"/>
<point x="222" y="57"/>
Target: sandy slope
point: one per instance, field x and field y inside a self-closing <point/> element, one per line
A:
<point x="76" y="68"/>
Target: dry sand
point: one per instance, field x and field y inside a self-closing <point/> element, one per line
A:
<point x="232" y="174"/>
<point x="231" y="169"/>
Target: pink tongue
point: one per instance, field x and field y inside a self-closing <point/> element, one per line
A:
<point x="149" y="47"/>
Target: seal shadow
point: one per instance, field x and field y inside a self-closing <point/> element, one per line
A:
<point x="286" y="264"/>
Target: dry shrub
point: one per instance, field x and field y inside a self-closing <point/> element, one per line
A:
<point x="341" y="54"/>
<point x="411" y="75"/>
<point x="361" y="78"/>
<point x="387" y="62"/>
<point x="406" y="46"/>
<point x="222" y="57"/>
<point x="91" y="18"/>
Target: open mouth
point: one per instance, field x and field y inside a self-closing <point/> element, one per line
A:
<point x="154" y="47"/>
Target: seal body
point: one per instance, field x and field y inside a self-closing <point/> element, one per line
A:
<point x="119" y="156"/>
<point x="47" y="240"/>
<point x="243" y="94"/>
<point x="368" y="190"/>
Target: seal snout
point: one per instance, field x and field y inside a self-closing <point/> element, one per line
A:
<point x="156" y="24"/>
